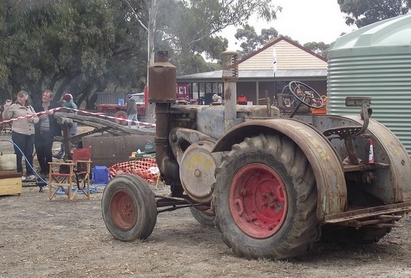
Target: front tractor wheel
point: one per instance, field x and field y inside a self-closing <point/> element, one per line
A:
<point x="266" y="199"/>
<point x="129" y="208"/>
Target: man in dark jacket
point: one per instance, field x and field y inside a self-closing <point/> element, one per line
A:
<point x="46" y="129"/>
<point x="132" y="112"/>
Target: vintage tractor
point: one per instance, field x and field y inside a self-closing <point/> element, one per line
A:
<point x="271" y="185"/>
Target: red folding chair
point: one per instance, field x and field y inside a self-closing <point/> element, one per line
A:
<point x="72" y="175"/>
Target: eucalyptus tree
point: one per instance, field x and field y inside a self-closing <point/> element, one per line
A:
<point x="319" y="48"/>
<point x="365" y="12"/>
<point x="190" y="27"/>
<point x="82" y="46"/>
<point x="69" y="45"/>
<point x="250" y="41"/>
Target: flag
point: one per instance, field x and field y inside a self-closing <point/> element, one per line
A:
<point x="274" y="60"/>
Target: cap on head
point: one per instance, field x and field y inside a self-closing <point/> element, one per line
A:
<point x="67" y="97"/>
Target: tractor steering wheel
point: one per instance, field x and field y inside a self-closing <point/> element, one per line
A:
<point x="305" y="94"/>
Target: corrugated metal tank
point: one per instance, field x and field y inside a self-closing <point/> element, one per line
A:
<point x="374" y="61"/>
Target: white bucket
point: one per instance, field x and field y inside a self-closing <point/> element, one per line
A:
<point x="8" y="162"/>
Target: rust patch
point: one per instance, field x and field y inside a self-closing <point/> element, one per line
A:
<point x="228" y="94"/>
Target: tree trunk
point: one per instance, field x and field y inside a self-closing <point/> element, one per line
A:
<point x="153" y="10"/>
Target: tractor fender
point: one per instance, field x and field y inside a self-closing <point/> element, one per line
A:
<point x="325" y="162"/>
<point x="389" y="149"/>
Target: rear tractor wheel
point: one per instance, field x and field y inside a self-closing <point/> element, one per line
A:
<point x="266" y="199"/>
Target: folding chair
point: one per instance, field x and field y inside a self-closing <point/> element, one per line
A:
<point x="73" y="175"/>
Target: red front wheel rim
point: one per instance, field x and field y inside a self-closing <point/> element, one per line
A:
<point x="258" y="200"/>
<point x="121" y="119"/>
<point x="123" y="211"/>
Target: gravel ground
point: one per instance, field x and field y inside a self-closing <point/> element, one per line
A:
<point x="57" y="238"/>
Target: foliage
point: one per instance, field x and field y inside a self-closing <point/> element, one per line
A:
<point x="83" y="46"/>
<point x="65" y="45"/>
<point x="319" y="48"/>
<point x="365" y="12"/>
<point x="189" y="28"/>
<point x="251" y="41"/>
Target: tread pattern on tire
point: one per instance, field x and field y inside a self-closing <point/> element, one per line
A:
<point x="301" y="228"/>
<point x="202" y="218"/>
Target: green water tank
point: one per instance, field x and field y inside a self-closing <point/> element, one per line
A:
<point x="374" y="61"/>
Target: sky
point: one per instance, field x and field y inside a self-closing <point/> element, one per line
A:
<point x="301" y="20"/>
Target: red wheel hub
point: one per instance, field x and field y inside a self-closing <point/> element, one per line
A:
<point x="121" y="119"/>
<point x="258" y="200"/>
<point x="123" y="211"/>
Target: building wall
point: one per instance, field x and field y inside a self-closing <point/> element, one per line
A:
<point x="293" y="63"/>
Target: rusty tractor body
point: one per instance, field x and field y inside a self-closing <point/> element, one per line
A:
<point x="271" y="185"/>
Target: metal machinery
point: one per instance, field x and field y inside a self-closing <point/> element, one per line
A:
<point x="271" y="185"/>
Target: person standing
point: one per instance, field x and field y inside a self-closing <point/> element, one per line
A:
<point x="67" y="101"/>
<point x="132" y="111"/>
<point x="46" y="129"/>
<point x="22" y="131"/>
